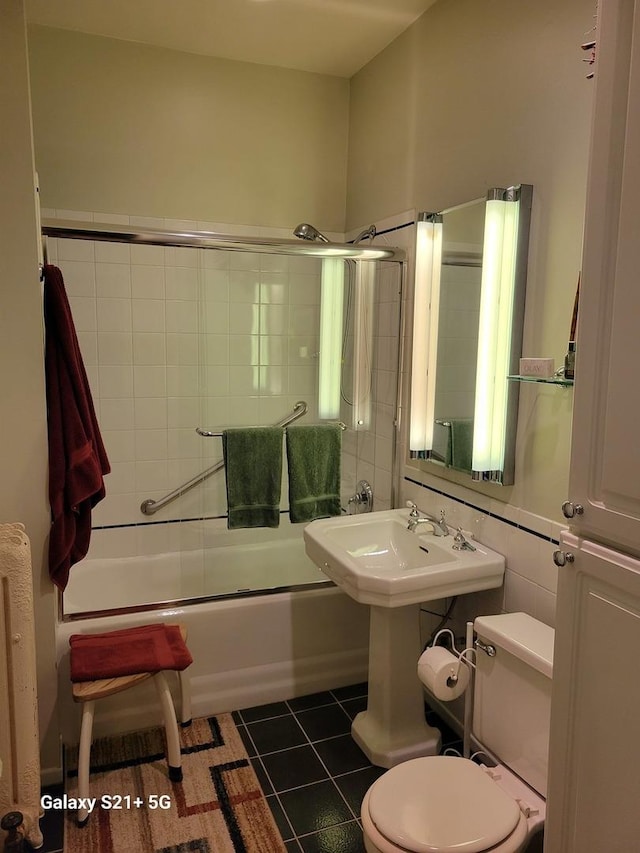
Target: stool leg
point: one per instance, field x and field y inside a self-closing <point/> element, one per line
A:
<point x="174" y="759"/>
<point x="185" y="699"/>
<point x="84" y="758"/>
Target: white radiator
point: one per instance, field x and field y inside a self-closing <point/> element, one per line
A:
<point x="19" y="741"/>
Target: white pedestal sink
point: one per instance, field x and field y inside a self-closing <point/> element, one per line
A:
<point x="376" y="560"/>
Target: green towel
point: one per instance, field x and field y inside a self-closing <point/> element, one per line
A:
<point x="313" y="453"/>
<point x="461" y="443"/>
<point x="253" y="469"/>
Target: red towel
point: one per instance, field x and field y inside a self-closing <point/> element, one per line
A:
<point x="149" y="648"/>
<point x="77" y="458"/>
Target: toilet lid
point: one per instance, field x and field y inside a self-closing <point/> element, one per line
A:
<point x="443" y="804"/>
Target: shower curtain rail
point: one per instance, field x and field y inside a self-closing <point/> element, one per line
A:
<point x="99" y="231"/>
<point x="149" y="507"/>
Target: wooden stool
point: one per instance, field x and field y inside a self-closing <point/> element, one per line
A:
<point x="87" y="692"/>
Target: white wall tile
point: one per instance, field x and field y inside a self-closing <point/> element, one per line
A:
<point x="244" y="349"/>
<point x="244" y="319"/>
<point x="273" y="380"/>
<point x="75" y="250"/>
<point x="217" y="381"/>
<point x="147" y="282"/>
<point x="115" y="348"/>
<point x="149" y="348"/>
<point x="115" y="381"/>
<point x="116" y="413"/>
<point x="274" y="320"/>
<point x="303" y="320"/>
<point x="273" y="291"/>
<point x="112" y="253"/>
<point x="88" y="342"/>
<point x="83" y="311"/>
<point x="244" y="261"/>
<point x="182" y="317"/>
<point x="183" y="444"/>
<point x="148" y="315"/>
<point x="274" y="263"/>
<point x="274" y="350"/>
<point x="120" y="445"/>
<point x="79" y="278"/>
<point x="152" y="476"/>
<point x="216" y="258"/>
<point x="243" y="381"/>
<point x="182" y="348"/>
<point x="181" y="283"/>
<point x="216" y="349"/>
<point x="183" y="380"/>
<point x="519" y="594"/>
<point x="150" y="380"/>
<point x="147" y="255"/>
<point x="150" y="413"/>
<point x="150" y="444"/>
<point x="114" y="315"/>
<point x="184" y="412"/>
<point x="215" y="319"/>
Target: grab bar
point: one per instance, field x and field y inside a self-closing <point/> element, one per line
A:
<point x="299" y="410"/>
<point x="149" y="507"/>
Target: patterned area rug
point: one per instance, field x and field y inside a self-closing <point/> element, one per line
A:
<point x="219" y="806"/>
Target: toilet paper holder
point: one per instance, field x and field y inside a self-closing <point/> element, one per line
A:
<point x="462" y="655"/>
<point x="468" y="656"/>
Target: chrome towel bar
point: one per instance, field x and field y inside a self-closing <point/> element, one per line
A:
<point x="149" y="507"/>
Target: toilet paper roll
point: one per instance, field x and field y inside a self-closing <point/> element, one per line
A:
<point x="444" y="674"/>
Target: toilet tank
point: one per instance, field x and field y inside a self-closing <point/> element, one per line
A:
<point x="512" y="697"/>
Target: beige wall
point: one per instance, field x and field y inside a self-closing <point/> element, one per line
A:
<point x="23" y="424"/>
<point x="127" y="128"/>
<point x="480" y="95"/>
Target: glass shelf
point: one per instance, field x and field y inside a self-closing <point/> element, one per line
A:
<point x="551" y="380"/>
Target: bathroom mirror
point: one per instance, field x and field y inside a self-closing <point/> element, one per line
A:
<point x="468" y="317"/>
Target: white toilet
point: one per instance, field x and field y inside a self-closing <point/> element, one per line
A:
<point x="446" y="804"/>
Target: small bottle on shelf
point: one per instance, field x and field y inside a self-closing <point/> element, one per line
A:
<point x="570" y="361"/>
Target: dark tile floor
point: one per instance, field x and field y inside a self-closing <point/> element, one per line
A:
<point x="311" y="771"/>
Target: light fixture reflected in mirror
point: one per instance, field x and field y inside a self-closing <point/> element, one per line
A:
<point x="504" y="258"/>
<point x="330" y="356"/>
<point x="363" y="343"/>
<point x="426" y="301"/>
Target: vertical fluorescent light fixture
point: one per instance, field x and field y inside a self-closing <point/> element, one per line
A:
<point x="363" y="343"/>
<point x="426" y="303"/>
<point x="494" y="333"/>
<point x="330" y="358"/>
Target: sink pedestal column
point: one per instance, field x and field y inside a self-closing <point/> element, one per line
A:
<point x="393" y="728"/>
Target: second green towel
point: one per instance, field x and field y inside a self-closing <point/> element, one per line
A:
<point x="313" y="454"/>
<point x="253" y="468"/>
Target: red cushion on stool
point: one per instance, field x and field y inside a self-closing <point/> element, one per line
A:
<point x="148" y="648"/>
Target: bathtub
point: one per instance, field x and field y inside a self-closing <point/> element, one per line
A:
<point x="251" y="644"/>
<point x="103" y="585"/>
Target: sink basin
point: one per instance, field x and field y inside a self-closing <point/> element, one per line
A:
<point x="376" y="560"/>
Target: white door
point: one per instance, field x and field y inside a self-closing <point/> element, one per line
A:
<point x="605" y="455"/>
<point x="593" y="803"/>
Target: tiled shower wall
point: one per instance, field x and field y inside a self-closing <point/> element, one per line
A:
<point x="176" y="338"/>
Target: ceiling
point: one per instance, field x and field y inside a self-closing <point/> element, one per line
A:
<point x="335" y="37"/>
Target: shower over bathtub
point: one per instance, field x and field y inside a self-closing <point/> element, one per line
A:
<point x="200" y="330"/>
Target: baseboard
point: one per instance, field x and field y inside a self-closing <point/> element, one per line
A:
<point x="229" y="691"/>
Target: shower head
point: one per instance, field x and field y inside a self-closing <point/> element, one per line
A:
<point x="368" y="234"/>
<point x="308" y="232"/>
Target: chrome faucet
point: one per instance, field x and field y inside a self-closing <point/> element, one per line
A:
<point x="439" y="525"/>
<point x="461" y="543"/>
